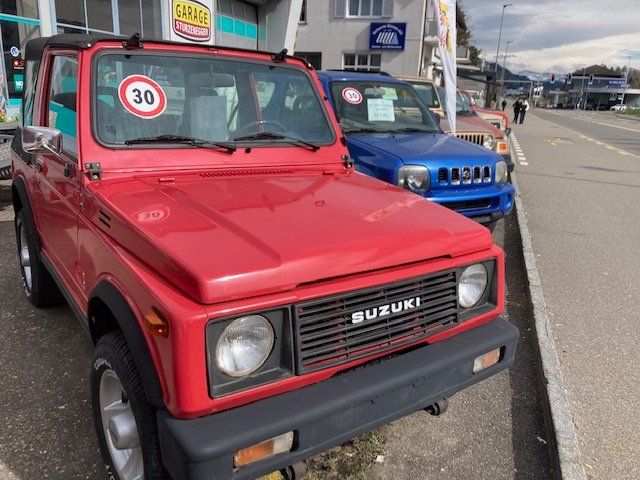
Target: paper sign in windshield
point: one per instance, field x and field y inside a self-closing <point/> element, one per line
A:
<point x="352" y="95"/>
<point x="142" y="96"/>
<point x="380" y="110"/>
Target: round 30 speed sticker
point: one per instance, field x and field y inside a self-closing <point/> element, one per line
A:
<point x="352" y="95"/>
<point x="142" y="96"/>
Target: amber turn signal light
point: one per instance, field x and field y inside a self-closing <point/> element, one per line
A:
<point x="486" y="360"/>
<point x="503" y="147"/>
<point x="280" y="444"/>
<point x="156" y="324"/>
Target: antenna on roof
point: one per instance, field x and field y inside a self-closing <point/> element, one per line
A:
<point x="280" y="56"/>
<point x="133" y="42"/>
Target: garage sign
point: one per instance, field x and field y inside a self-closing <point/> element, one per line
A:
<point x="191" y="21"/>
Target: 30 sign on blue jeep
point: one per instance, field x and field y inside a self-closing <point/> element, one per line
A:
<point x="393" y="136"/>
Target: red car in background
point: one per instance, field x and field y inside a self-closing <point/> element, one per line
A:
<point x="495" y="117"/>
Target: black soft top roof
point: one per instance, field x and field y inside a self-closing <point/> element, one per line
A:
<point x="79" y="41"/>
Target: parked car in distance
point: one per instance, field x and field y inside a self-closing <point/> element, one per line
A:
<point x="252" y="298"/>
<point x="495" y="117"/>
<point x="474" y="129"/>
<point x="427" y="91"/>
<point x="619" y="107"/>
<point x="392" y="135"/>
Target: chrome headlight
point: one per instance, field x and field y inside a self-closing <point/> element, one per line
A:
<point x="244" y="345"/>
<point x="488" y="142"/>
<point x="502" y="172"/>
<point x="414" y="178"/>
<point x="472" y="284"/>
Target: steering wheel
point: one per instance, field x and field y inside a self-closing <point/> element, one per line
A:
<point x="247" y="129"/>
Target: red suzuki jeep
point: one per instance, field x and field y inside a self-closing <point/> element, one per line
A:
<point x="253" y="300"/>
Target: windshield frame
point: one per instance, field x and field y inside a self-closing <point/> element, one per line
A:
<point x="383" y="82"/>
<point x="205" y="56"/>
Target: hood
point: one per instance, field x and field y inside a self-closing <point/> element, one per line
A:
<point x="422" y="148"/>
<point x="220" y="236"/>
<point x="472" y="123"/>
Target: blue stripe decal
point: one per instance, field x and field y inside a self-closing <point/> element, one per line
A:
<point x="16" y="19"/>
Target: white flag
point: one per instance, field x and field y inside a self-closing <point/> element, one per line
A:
<point x="447" y="35"/>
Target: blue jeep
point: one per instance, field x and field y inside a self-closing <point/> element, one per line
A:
<point x="393" y="136"/>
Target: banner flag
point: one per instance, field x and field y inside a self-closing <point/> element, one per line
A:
<point x="447" y="43"/>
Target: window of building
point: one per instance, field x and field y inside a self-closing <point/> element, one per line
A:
<point x="88" y="16"/>
<point x="365" y="8"/>
<point x="21" y="8"/>
<point x="314" y="58"/>
<point x="62" y="101"/>
<point x="362" y="62"/>
<point x="15" y="35"/>
<point x="303" y="12"/>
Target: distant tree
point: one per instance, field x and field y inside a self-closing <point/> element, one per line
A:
<point x="474" y="56"/>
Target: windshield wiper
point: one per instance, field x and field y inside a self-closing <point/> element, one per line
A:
<point x="364" y="130"/>
<point x="278" y="136"/>
<point x="182" y="139"/>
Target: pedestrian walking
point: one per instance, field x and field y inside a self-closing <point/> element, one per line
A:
<point x="504" y="104"/>
<point x="517" y="105"/>
<point x="524" y="108"/>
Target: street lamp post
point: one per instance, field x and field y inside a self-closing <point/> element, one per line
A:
<point x="584" y="69"/>
<point x="504" y="65"/>
<point x="495" y="76"/>
<point x="626" y="79"/>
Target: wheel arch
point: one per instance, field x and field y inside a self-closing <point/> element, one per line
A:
<point x="20" y="200"/>
<point x="108" y="310"/>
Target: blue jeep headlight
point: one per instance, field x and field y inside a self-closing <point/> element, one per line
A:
<point x="414" y="178"/>
<point x="502" y="172"/>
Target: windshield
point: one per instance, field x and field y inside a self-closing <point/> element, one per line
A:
<point x="427" y="92"/>
<point x="372" y="106"/>
<point x="462" y="108"/>
<point x="142" y="98"/>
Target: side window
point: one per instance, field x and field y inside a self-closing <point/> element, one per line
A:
<point x="62" y="101"/>
<point x="31" y="78"/>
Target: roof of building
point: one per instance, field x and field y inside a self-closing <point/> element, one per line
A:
<point x="349" y="75"/>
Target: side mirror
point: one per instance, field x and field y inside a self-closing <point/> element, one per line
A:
<point x="42" y="141"/>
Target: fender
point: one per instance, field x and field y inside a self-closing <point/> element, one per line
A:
<point x="130" y="327"/>
<point x="21" y="188"/>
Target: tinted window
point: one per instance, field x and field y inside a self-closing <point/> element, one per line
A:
<point x="209" y="99"/>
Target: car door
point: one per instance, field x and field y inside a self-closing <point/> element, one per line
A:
<point x="58" y="177"/>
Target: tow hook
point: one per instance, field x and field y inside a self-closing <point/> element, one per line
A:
<point x="295" y="471"/>
<point x="438" y="408"/>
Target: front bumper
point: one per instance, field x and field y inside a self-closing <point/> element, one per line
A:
<point x="484" y="204"/>
<point x="331" y="412"/>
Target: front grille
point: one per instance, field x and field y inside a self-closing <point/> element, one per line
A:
<point x="468" y="204"/>
<point x="477" y="138"/>
<point x="464" y="175"/>
<point x="326" y="335"/>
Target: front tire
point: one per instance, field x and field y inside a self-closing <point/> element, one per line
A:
<point x="38" y="285"/>
<point x="124" y="419"/>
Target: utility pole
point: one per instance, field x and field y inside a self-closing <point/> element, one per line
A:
<point x="504" y="65"/>
<point x="495" y="76"/>
<point x="626" y="79"/>
<point x="584" y="69"/>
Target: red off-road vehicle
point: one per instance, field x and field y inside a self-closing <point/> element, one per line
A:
<point x="253" y="300"/>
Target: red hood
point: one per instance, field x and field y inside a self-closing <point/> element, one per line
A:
<point x="472" y="123"/>
<point x="226" y="236"/>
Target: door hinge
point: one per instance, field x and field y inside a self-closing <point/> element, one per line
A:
<point x="347" y="162"/>
<point x="94" y="170"/>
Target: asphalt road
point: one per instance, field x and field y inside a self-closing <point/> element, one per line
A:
<point x="494" y="430"/>
<point x="579" y="176"/>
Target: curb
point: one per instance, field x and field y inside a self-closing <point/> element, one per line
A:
<point x="568" y="453"/>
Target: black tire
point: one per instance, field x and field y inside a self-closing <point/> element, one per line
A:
<point x="112" y="354"/>
<point x="491" y="225"/>
<point x="42" y="291"/>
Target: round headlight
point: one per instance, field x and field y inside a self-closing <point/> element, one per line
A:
<point x="244" y="345"/>
<point x="472" y="285"/>
<point x="501" y="172"/>
<point x="414" y="178"/>
<point x="488" y="142"/>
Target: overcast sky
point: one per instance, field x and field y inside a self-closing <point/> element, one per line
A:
<point x="558" y="35"/>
